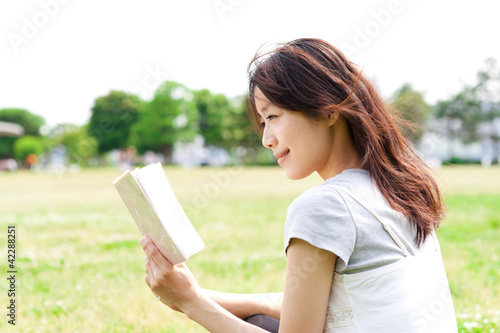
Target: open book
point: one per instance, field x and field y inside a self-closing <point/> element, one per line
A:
<point x="157" y="212"/>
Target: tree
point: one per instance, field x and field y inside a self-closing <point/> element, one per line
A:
<point x="241" y="130"/>
<point x="29" y="121"/>
<point x="112" y="118"/>
<point x="463" y="114"/>
<point x="79" y="146"/>
<point x="413" y="109"/>
<point x="243" y="135"/>
<point x="215" y="117"/>
<point x="224" y="122"/>
<point x="488" y="92"/>
<point x="168" y="118"/>
<point x="473" y="106"/>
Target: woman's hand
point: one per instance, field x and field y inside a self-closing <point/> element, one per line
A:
<point x="174" y="285"/>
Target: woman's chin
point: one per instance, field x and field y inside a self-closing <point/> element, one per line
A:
<point x="294" y="175"/>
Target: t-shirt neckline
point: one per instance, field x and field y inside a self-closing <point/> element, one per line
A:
<point x="345" y="173"/>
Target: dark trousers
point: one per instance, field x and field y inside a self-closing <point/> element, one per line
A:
<point x="265" y="322"/>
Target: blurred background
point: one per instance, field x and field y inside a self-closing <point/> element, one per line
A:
<point x="91" y="89"/>
<point x="102" y="84"/>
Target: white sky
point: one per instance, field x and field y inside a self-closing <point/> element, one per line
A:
<point x="83" y="49"/>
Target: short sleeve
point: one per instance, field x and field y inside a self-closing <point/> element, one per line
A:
<point x="320" y="217"/>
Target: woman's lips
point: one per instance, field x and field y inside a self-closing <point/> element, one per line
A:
<point x="282" y="157"/>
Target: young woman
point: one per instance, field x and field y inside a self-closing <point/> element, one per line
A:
<point x="361" y="249"/>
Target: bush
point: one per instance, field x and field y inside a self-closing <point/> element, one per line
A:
<point x="460" y="161"/>
<point x="27" y="145"/>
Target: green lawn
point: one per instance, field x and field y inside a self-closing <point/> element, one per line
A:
<point x="81" y="267"/>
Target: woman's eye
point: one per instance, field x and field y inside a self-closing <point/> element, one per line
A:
<point x="270" y="117"/>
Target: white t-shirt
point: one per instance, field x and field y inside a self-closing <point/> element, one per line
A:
<point x="331" y="220"/>
<point x="382" y="282"/>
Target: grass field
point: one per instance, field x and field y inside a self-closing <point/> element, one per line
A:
<point x="81" y="268"/>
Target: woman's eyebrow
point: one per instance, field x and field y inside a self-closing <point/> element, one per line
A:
<point x="264" y="109"/>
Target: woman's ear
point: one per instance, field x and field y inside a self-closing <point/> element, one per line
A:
<point x="333" y="117"/>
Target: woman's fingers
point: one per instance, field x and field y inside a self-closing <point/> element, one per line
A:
<point x="157" y="266"/>
<point x="155" y="257"/>
<point x="174" y="286"/>
<point x="148" y="272"/>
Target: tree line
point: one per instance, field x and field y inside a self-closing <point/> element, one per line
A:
<point x="177" y="114"/>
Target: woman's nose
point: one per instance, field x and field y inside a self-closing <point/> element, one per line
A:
<point x="268" y="138"/>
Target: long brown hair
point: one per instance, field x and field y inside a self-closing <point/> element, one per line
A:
<point x="313" y="77"/>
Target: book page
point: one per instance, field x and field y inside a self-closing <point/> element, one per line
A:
<point x="145" y="217"/>
<point x="170" y="212"/>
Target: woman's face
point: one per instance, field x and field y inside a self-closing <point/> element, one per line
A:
<point x="304" y="145"/>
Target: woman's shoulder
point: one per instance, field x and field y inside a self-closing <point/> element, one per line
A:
<point x="321" y="216"/>
<point x="329" y="194"/>
<point x="319" y="197"/>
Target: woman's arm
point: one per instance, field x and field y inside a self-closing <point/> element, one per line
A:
<point x="176" y="287"/>
<point x="245" y="305"/>
<point x="307" y="288"/>
<point x="309" y="277"/>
